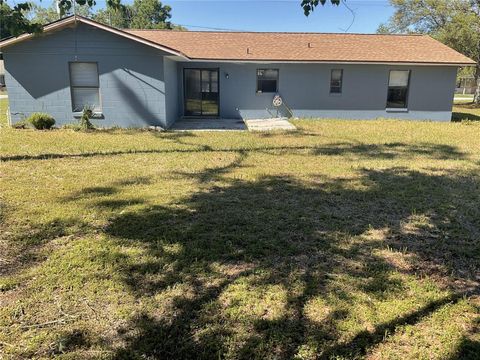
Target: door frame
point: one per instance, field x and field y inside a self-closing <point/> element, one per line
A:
<point x="185" y="92"/>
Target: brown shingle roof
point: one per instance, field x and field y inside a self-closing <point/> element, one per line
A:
<point x="254" y="46"/>
<point x="305" y="47"/>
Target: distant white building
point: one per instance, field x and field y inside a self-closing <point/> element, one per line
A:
<point x="466" y="85"/>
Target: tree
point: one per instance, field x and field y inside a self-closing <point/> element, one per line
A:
<point x="455" y="23"/>
<point x="310" y="5"/>
<point x="149" y="14"/>
<point x="41" y="15"/>
<point x="142" y="14"/>
<point x="13" y="22"/>
<point x="116" y="17"/>
<point x="29" y="17"/>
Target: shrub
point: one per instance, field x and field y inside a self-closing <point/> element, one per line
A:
<point x="41" y="121"/>
<point x="74" y="127"/>
<point x="23" y="124"/>
<point x="85" y="122"/>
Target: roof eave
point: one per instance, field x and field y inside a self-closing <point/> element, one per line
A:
<point x="346" y="62"/>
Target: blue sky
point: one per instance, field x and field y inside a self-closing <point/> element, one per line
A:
<point x="274" y="15"/>
<point x="279" y="15"/>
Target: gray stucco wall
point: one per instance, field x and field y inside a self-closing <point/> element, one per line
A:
<point x="171" y="91"/>
<point x="305" y="88"/>
<point x="132" y="87"/>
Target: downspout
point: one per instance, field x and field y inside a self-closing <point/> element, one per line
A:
<point x="9" y="117"/>
<point x="75" y="33"/>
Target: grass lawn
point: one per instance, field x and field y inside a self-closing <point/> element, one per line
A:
<point x="463" y="97"/>
<point x="345" y="239"/>
<point x="3" y="112"/>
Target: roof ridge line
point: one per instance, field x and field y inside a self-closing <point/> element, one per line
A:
<point x="272" y="32"/>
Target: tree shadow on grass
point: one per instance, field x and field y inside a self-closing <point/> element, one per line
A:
<point x="307" y="242"/>
<point x="237" y="265"/>
<point x="392" y="150"/>
<point x="385" y="151"/>
<point x="234" y="268"/>
<point x="467" y="350"/>
<point x="24" y="245"/>
<point x="458" y="116"/>
<point x="469" y="347"/>
<point x="466" y="112"/>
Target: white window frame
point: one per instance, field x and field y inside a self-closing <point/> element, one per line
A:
<point x="341" y="82"/>
<point x="97" y="110"/>
<point x="276" y="81"/>
<point x="399" y="109"/>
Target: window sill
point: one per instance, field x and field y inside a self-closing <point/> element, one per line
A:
<point x="95" y="115"/>
<point x="335" y="94"/>
<point x="396" y="110"/>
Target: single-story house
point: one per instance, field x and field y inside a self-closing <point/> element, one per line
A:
<point x="137" y="78"/>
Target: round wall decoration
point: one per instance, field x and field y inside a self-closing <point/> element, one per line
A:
<point x="277" y="101"/>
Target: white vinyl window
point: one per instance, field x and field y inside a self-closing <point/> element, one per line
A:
<point x="336" y="80"/>
<point x="84" y="86"/>
<point x="267" y="80"/>
<point x="397" y="96"/>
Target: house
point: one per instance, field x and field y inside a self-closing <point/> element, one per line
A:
<point x="466" y="84"/>
<point x="137" y="78"/>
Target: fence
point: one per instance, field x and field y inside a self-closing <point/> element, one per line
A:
<point x="465" y="85"/>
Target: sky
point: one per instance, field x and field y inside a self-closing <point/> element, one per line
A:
<point x="279" y="15"/>
<point x="273" y="15"/>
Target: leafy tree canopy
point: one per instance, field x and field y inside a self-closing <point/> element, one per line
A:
<point x="455" y="23"/>
<point x="29" y="17"/>
<point x="142" y="14"/>
<point x="13" y="22"/>
<point x="310" y="5"/>
<point x="147" y="14"/>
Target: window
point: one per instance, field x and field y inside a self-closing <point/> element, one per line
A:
<point x="84" y="86"/>
<point x="336" y="79"/>
<point x="267" y="80"/>
<point x="398" y="89"/>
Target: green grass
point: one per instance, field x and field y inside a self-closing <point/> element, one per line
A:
<point x="3" y="112"/>
<point x="463" y="99"/>
<point x="470" y="96"/>
<point x="345" y="239"/>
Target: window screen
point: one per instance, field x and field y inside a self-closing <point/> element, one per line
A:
<point x="84" y="86"/>
<point x="336" y="79"/>
<point x="398" y="89"/>
<point x="267" y="80"/>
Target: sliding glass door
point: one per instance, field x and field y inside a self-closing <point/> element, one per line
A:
<point x="201" y="92"/>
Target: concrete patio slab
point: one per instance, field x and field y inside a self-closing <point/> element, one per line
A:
<point x="208" y="125"/>
<point x="269" y="124"/>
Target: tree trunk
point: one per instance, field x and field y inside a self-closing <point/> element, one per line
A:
<point x="476" y="97"/>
